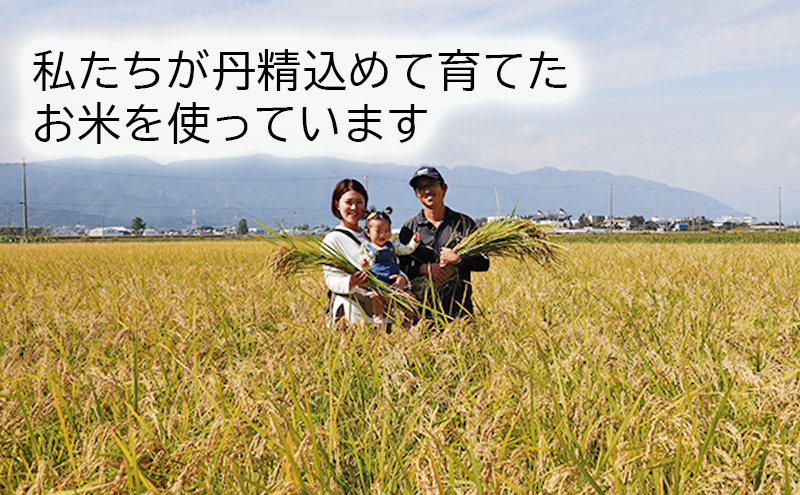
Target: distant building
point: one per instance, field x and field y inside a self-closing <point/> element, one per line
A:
<point x="662" y="224"/>
<point x="679" y="227"/>
<point x="68" y="230"/>
<point x="732" y="220"/>
<point x="617" y="224"/>
<point x="556" y="218"/>
<point x="109" y="232"/>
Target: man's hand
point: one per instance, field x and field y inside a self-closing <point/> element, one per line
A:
<point x="448" y="257"/>
<point x="436" y="272"/>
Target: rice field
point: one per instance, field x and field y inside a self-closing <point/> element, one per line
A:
<point x="189" y="367"/>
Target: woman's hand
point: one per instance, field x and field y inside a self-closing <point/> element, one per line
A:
<point x="358" y="278"/>
<point x="399" y="281"/>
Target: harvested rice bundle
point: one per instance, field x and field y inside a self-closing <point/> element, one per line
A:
<point x="511" y="238"/>
<point x="296" y="254"/>
<point x="507" y="237"/>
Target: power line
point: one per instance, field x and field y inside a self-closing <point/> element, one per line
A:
<point x="303" y="179"/>
<point x="180" y="177"/>
<point x="171" y="207"/>
<point x="666" y="188"/>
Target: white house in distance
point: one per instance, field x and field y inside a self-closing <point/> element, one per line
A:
<point x="555" y="218"/>
<point x="747" y="220"/>
<point x="109" y="232"/>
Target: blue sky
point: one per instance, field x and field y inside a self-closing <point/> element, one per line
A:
<point x="700" y="95"/>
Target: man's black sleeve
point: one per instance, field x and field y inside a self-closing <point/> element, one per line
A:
<point x="479" y="263"/>
<point x="411" y="263"/>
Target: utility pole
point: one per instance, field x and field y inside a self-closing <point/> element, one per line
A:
<point x="366" y="183"/>
<point x="780" y="215"/>
<point x="610" y="201"/>
<point x="25" y="197"/>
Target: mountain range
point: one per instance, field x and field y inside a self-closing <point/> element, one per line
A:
<point x="293" y="192"/>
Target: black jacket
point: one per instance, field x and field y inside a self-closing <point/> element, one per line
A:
<point x="455" y="295"/>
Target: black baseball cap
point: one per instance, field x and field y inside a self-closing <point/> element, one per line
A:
<point x="425" y="171"/>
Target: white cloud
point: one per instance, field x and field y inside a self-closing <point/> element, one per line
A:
<point x="526" y="130"/>
<point x="750" y="152"/>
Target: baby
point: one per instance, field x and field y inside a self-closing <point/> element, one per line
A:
<point x="379" y="255"/>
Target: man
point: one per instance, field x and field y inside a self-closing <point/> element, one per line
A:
<point x="440" y="229"/>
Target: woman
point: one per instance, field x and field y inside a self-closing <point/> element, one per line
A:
<point x="349" y="293"/>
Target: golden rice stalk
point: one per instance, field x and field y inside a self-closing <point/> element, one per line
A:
<point x="296" y="254"/>
<point x="511" y="238"/>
